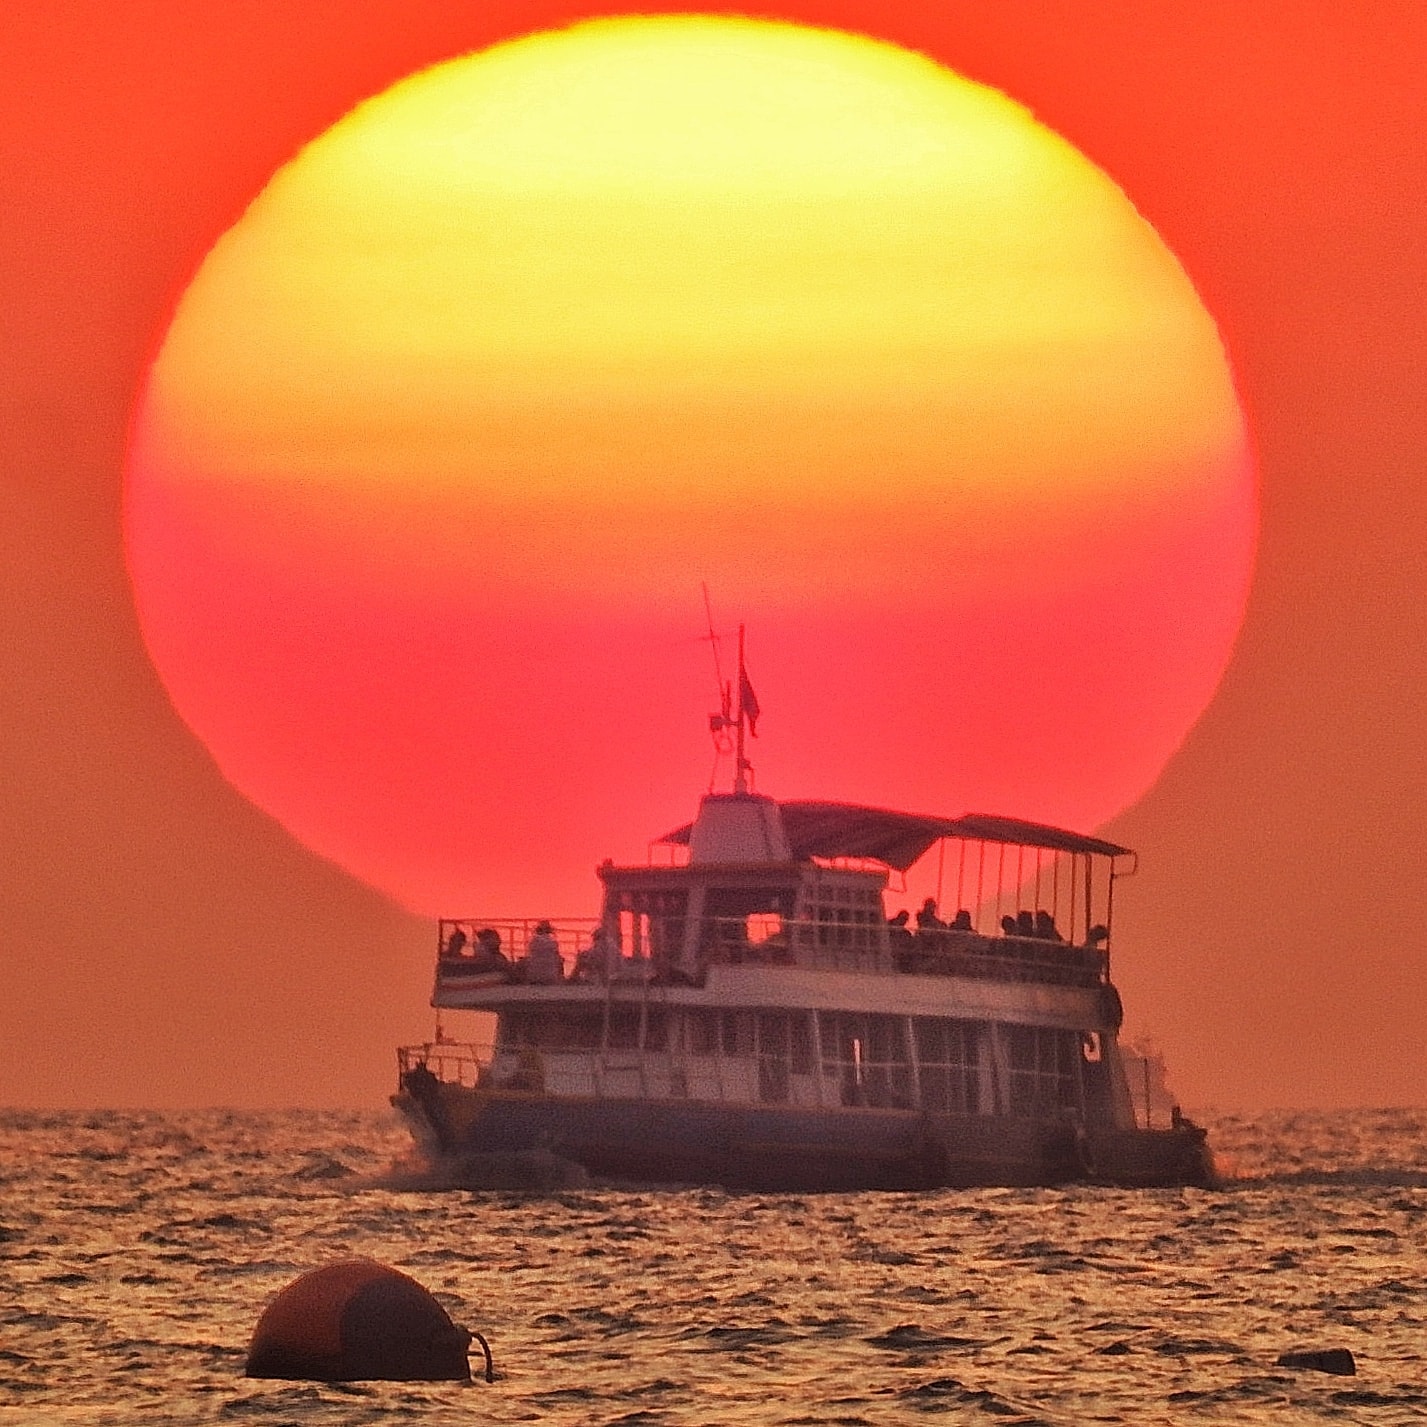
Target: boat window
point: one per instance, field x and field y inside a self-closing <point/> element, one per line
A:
<point x="634" y="933"/>
<point x="744" y="902"/>
<point x="551" y="1030"/>
<point x="866" y="1056"/>
<point x="788" y="1037"/>
<point x="736" y="1028"/>
<point x="747" y="924"/>
<point x="845" y="915"/>
<point x="1045" y="1069"/>
<point x="772" y="1034"/>
<point x="651" y="921"/>
<point x="623" y="1028"/>
<point x="766" y="937"/>
<point x="947" y="1065"/>
<point x="800" y="1045"/>
<point x="886" y="1038"/>
<point x="701" y="1028"/>
<point x="656" y="1030"/>
<point x="772" y="1057"/>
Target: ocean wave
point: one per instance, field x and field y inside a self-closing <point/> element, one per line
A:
<point x="1357" y="1176"/>
<point x="682" y="1307"/>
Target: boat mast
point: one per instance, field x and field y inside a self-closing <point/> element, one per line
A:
<point x="744" y="720"/>
<point x="741" y="766"/>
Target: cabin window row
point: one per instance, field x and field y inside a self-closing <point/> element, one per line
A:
<point x="731" y="1033"/>
<point x="848" y="1037"/>
<point x="868" y="1056"/>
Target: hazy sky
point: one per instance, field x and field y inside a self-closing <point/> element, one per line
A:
<point x="165" y="943"/>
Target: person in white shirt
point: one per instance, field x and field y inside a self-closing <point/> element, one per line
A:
<point x="543" y="966"/>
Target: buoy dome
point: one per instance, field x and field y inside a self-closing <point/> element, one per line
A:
<point x="357" y="1320"/>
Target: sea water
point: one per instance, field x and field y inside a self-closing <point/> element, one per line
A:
<point x="137" y="1251"/>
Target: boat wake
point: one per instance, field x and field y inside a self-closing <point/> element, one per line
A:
<point x="526" y="1172"/>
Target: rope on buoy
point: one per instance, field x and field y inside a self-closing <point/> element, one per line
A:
<point x="486" y="1349"/>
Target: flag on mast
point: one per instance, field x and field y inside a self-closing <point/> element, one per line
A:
<point x="747" y="701"/>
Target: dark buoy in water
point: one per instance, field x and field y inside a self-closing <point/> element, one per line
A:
<point x="359" y="1320"/>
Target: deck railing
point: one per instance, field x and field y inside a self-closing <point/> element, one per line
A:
<point x="866" y="946"/>
<point x="1002" y="958"/>
<point x="459" y="940"/>
<point x="451" y="1062"/>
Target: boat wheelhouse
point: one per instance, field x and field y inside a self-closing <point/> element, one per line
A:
<point x="753" y="1013"/>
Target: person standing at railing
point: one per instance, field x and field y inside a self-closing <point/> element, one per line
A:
<point x="543" y="966"/>
<point x="599" y="961"/>
<point x="487" y="955"/>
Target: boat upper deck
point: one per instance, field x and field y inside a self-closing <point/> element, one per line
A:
<point x="804" y="886"/>
<point x="886" y="950"/>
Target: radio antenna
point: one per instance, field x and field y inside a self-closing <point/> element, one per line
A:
<point x="722" y="721"/>
<point x="723" y="690"/>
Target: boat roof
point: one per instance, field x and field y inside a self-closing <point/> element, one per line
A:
<point x="833" y="830"/>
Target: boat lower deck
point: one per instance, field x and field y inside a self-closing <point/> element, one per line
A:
<point x="792" y="1149"/>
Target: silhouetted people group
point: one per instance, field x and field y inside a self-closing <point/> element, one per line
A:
<point x="955" y="948"/>
<point x="473" y="957"/>
<point x="927" y="948"/>
<point x="1036" y="926"/>
<point x="928" y="921"/>
<point x="487" y="954"/>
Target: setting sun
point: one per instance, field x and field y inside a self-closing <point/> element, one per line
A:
<point x="450" y="426"/>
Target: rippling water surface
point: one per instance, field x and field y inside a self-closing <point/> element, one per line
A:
<point x="137" y="1251"/>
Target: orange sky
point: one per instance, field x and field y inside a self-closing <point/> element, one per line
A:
<point x="170" y="944"/>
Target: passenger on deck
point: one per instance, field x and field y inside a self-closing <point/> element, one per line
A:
<point x="1046" y="928"/>
<point x="1097" y="934"/>
<point x="1009" y="926"/>
<point x="1025" y="923"/>
<point x="902" y="942"/>
<point x="487" y="955"/>
<point x="633" y="968"/>
<point x="456" y="943"/>
<point x="599" y="960"/>
<point x="542" y="957"/>
<point x="927" y="919"/>
<point x="961" y="922"/>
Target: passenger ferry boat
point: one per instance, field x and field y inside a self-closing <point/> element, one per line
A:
<point x="749" y="1015"/>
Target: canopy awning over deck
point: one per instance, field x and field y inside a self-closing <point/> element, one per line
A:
<point x="833" y="830"/>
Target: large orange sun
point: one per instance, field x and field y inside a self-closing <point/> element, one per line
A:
<point x="450" y="427"/>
